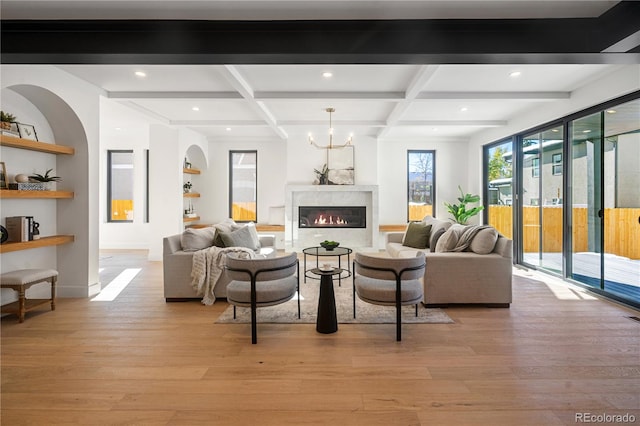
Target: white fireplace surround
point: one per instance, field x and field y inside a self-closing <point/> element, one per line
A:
<point x="331" y="195"/>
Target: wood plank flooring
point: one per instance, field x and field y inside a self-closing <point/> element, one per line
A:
<point x="556" y="352"/>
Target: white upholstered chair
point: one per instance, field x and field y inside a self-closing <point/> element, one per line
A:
<point x="389" y="281"/>
<point x="257" y="283"/>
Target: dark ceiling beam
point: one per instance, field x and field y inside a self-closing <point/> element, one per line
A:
<point x="379" y="41"/>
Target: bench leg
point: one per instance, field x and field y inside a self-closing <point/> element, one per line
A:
<point x="53" y="293"/>
<point x="21" y="304"/>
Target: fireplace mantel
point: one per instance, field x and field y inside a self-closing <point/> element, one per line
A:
<point x="331" y="195"/>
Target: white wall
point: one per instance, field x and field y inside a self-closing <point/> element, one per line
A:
<point x="126" y="129"/>
<point x="451" y="171"/>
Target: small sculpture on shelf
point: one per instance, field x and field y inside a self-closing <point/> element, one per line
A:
<point x="187" y="187"/>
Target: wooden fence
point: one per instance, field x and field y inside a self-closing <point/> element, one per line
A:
<point x="621" y="229"/>
<point x="418" y="212"/>
<point x="121" y="210"/>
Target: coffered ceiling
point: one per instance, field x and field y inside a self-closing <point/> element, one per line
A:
<point x="391" y="101"/>
<point x="444" y="81"/>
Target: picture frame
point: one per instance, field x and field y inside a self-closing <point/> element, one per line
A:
<point x="27" y="131"/>
<point x="3" y="176"/>
<point x="340" y="163"/>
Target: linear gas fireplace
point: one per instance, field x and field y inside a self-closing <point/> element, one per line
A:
<point x="332" y="217"/>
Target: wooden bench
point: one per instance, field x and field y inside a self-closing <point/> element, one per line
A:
<point x="20" y="280"/>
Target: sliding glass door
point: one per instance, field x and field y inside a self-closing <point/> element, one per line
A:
<point x="606" y="200"/>
<point x="542" y="199"/>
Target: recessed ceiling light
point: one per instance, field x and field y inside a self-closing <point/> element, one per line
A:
<point x="463" y="109"/>
<point x="327" y="74"/>
<point x="514" y="74"/>
<point x="118" y="128"/>
<point x="195" y="108"/>
<point x="228" y="129"/>
<point x="555" y="130"/>
<point x="611" y="111"/>
<point x="586" y="131"/>
<point x="140" y="74"/>
<point x="435" y="129"/>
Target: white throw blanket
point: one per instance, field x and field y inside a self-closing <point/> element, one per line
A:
<point x="207" y="267"/>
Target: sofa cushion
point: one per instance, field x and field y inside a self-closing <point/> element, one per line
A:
<point x="242" y="237"/>
<point x="228" y="225"/>
<point x="450" y="238"/>
<point x="436" y="224"/>
<point x="194" y="239"/>
<point x="417" y="235"/>
<point x="484" y="241"/>
<point x="435" y="236"/>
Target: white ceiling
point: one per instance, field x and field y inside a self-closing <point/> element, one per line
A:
<point x="273" y="102"/>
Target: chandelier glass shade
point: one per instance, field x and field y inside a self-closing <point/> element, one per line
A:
<point x="331" y="145"/>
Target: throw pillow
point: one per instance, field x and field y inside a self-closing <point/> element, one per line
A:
<point x="417" y="235"/>
<point x="239" y="238"/>
<point x="435" y="236"/>
<point x="484" y="241"/>
<point x="450" y="238"/>
<point x="228" y="225"/>
<point x="194" y="239"/>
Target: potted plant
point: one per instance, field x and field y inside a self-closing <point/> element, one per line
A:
<point x="44" y="179"/>
<point x="322" y="175"/>
<point x="6" y="119"/>
<point x="459" y="211"/>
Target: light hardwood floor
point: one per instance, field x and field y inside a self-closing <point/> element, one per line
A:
<point x="137" y="360"/>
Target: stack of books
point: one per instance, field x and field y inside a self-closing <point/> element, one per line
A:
<point x="19" y="228"/>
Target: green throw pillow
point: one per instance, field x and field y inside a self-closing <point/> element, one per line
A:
<point x="417" y="235"/>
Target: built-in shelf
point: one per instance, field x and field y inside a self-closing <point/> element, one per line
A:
<point x="10" y="193"/>
<point x="50" y="148"/>
<point x="393" y="228"/>
<point x="53" y="240"/>
<point x="190" y="219"/>
<point x="191" y="171"/>
<point x="191" y="195"/>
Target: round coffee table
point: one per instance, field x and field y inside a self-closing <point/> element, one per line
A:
<point x="321" y="252"/>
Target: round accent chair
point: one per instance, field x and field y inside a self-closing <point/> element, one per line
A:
<point x="389" y="281"/>
<point x="257" y="283"/>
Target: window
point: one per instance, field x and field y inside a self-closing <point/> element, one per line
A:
<point x="421" y="182"/>
<point x="535" y="167"/>
<point x="119" y="186"/>
<point x="243" y="184"/>
<point x="556" y="164"/>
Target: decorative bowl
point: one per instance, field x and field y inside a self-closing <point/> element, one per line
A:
<point x="329" y="245"/>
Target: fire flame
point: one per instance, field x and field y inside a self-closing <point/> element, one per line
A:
<point x="330" y="220"/>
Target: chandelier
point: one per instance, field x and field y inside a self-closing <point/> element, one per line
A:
<point x="330" y="145"/>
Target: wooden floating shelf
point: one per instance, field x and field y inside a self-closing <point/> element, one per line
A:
<point x="191" y="195"/>
<point x="42" y="242"/>
<point x="269" y="228"/>
<point x="11" y="193"/>
<point x="393" y="228"/>
<point x="191" y="171"/>
<point x="50" y="148"/>
<point x="190" y="219"/>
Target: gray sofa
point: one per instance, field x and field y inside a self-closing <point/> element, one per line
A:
<point x="177" y="265"/>
<point x="463" y="277"/>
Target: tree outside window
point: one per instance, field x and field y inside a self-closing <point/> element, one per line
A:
<point x="420" y="183"/>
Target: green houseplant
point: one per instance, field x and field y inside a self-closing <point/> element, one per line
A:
<point x="6" y="119"/>
<point x="44" y="180"/>
<point x="460" y="212"/>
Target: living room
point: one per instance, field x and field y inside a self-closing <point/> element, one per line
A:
<point x="66" y="107"/>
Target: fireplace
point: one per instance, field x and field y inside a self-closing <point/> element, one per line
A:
<point x="332" y="217"/>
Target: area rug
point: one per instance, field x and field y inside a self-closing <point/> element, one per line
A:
<point x="366" y="313"/>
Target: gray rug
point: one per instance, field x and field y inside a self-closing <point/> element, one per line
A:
<point x="366" y="313"/>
